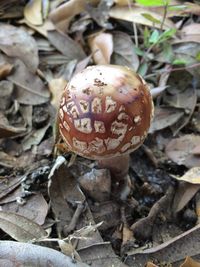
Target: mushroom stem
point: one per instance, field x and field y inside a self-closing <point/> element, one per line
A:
<point x="118" y="166"/>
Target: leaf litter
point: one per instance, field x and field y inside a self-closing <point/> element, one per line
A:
<point x="50" y="199"/>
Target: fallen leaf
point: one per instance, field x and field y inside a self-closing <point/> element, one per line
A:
<point x="196" y="150"/>
<point x="164" y="117"/>
<point x="56" y="87"/>
<point x="134" y="14"/>
<point x="7" y="130"/>
<point x="16" y="42"/>
<point x="35" y="137"/>
<point x="124" y="53"/>
<point x="33" y="12"/>
<point x="20" y="228"/>
<point x="8" y="184"/>
<point x="25" y="254"/>
<point x="101" y="46"/>
<point x="184" y="193"/>
<point x="66" y="45"/>
<point x="29" y="89"/>
<point x="5" y="70"/>
<point x="189" y="33"/>
<point x="180" y="149"/>
<point x="189" y="262"/>
<point x="192" y="176"/>
<point x="35" y="208"/>
<point x="42" y="29"/>
<point x="150" y="264"/>
<point x="171" y="251"/>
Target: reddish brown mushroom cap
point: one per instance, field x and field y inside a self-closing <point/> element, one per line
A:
<point x="105" y="111"/>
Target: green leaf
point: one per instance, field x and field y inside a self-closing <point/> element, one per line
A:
<point x="146" y="37"/>
<point x="150" y="17"/>
<point x="167" y="35"/>
<point x="153" y="2"/>
<point x="198" y="56"/>
<point x="179" y="62"/>
<point x="177" y="8"/>
<point x="138" y="51"/>
<point x="154" y="37"/>
<point x="143" y="69"/>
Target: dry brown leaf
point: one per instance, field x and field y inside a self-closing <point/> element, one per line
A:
<point x="56" y="87"/>
<point x="196" y="150"/>
<point x="171" y="251"/>
<point x="184" y="194"/>
<point x="5" y="70"/>
<point x="180" y="150"/>
<point x="189" y="33"/>
<point x="20" y="228"/>
<point x="134" y="14"/>
<point x="24" y="254"/>
<point x="124" y="53"/>
<point x="29" y="89"/>
<point x="192" y="176"/>
<point x="35" y="208"/>
<point x="66" y="45"/>
<point x="165" y="117"/>
<point x="101" y="46"/>
<point x="42" y="29"/>
<point x="150" y="264"/>
<point x="189" y="262"/>
<point x="7" y="130"/>
<point x="33" y="12"/>
<point x="16" y="42"/>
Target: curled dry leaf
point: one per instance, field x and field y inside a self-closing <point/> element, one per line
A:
<point x="124" y="53"/>
<point x="189" y="262"/>
<point x="25" y="254"/>
<point x="29" y="89"/>
<point x="5" y="70"/>
<point x="135" y="14"/>
<point x="101" y="46"/>
<point x="42" y="29"/>
<point x="180" y="150"/>
<point x="16" y="42"/>
<point x="20" y="228"/>
<point x="33" y="12"/>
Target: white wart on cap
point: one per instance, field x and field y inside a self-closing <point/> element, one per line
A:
<point x="105" y="111"/>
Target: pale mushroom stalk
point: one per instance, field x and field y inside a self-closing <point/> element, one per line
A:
<point x="105" y="114"/>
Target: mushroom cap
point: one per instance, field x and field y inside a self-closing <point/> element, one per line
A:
<point x="105" y="111"/>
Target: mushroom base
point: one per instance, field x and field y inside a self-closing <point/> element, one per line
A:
<point x="118" y="167"/>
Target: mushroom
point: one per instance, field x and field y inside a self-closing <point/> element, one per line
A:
<point x="105" y="113"/>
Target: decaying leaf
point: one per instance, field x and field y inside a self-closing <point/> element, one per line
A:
<point x="29" y="88"/>
<point x="180" y="150"/>
<point x="20" y="228"/>
<point x="101" y="46"/>
<point x="16" y="42"/>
